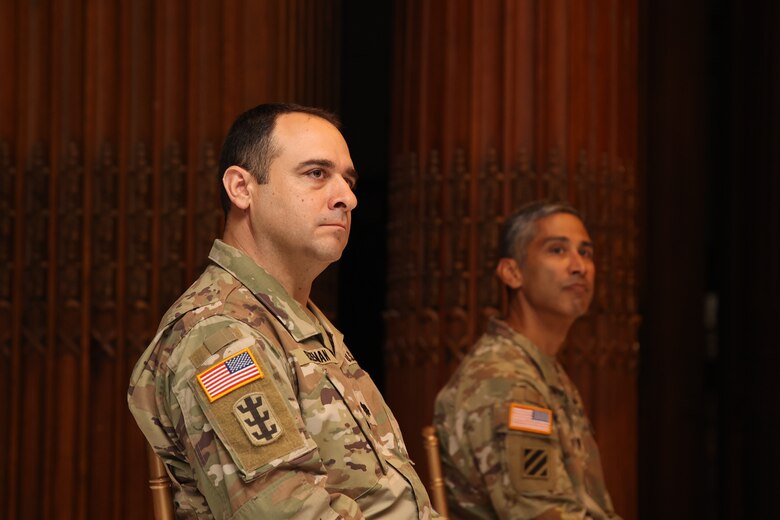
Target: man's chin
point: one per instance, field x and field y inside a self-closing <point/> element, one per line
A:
<point x="329" y="255"/>
<point x="580" y="309"/>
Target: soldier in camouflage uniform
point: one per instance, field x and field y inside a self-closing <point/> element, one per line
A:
<point x="247" y="392"/>
<point x="515" y="440"/>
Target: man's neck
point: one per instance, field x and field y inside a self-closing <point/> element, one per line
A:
<point x="546" y="332"/>
<point x="297" y="282"/>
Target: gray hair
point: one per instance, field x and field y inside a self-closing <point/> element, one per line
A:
<point x="520" y="227"/>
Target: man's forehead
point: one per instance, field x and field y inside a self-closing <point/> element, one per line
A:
<point x="293" y="121"/>
<point x="304" y="137"/>
<point x="561" y="226"/>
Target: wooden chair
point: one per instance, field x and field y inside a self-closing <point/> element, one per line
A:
<point x="438" y="495"/>
<point x="160" y="484"/>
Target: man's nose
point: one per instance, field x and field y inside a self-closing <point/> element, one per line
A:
<point x="343" y="196"/>
<point x="577" y="263"/>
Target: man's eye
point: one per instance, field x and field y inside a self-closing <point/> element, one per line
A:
<point x="556" y="250"/>
<point x="586" y="253"/>
<point x="317" y="174"/>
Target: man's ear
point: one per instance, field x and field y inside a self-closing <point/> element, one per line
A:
<point x="237" y="182"/>
<point x="509" y="272"/>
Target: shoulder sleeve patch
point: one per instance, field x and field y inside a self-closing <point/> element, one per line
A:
<point x="533" y="464"/>
<point x="527" y="418"/>
<point x="257" y="418"/>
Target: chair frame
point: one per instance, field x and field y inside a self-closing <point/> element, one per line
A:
<point x="160" y="484"/>
<point x="436" y="485"/>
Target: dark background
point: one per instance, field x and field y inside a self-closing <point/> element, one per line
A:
<point x="709" y="138"/>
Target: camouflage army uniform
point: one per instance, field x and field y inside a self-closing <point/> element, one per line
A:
<point x="300" y="431"/>
<point x="515" y="440"/>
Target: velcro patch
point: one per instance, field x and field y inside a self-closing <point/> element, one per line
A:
<point x="234" y="372"/>
<point x="535" y="463"/>
<point x="222" y="337"/>
<point x="529" y="418"/>
<point x="256" y="417"/>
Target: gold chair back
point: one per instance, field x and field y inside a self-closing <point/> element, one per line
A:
<point x="160" y="484"/>
<point x="436" y="485"/>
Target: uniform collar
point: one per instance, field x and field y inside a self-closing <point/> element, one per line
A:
<point x="336" y="336"/>
<point x="268" y="291"/>
<point x="547" y="365"/>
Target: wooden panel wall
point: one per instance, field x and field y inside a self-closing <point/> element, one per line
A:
<point x="111" y="117"/>
<point x="496" y="103"/>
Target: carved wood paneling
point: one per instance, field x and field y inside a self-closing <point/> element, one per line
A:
<point x="113" y="116"/>
<point x="7" y="209"/>
<point x="9" y="360"/>
<point x="500" y="103"/>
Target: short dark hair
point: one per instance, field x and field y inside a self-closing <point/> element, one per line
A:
<point x="249" y="142"/>
<point x="520" y="227"/>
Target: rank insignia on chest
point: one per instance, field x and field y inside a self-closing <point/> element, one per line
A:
<point x="529" y="418"/>
<point x="232" y="373"/>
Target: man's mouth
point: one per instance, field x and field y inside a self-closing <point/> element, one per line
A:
<point x="342" y="225"/>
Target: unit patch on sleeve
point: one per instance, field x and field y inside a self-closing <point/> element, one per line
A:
<point x="257" y="419"/>
<point x="232" y="373"/>
<point x="529" y="418"/>
<point x="535" y="463"/>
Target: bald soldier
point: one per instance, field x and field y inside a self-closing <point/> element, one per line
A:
<point x="247" y="392"/>
<point x="515" y="440"/>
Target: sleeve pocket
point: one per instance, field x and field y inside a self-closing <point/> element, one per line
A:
<point x="256" y="425"/>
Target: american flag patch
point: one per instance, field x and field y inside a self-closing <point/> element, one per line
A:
<point x="224" y="377"/>
<point x="530" y="419"/>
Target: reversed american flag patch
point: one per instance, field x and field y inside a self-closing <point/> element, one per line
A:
<point x="234" y="372"/>
<point x="529" y="418"/>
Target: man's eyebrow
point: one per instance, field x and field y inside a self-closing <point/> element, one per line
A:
<point x="547" y="240"/>
<point x="327" y="163"/>
<point x="584" y="243"/>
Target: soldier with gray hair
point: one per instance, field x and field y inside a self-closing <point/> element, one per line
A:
<point x="515" y="440"/>
<point x="248" y="393"/>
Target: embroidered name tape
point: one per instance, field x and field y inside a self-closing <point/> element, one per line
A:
<point x="230" y="374"/>
<point x="321" y="356"/>
<point x="528" y="418"/>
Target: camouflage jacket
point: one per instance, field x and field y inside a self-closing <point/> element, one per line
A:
<point x="258" y="411"/>
<point x="515" y="440"/>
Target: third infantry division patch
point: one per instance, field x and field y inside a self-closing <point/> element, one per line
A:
<point x="535" y="463"/>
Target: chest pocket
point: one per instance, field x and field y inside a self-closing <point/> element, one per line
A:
<point x="330" y="401"/>
<point x="377" y="413"/>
